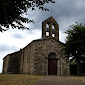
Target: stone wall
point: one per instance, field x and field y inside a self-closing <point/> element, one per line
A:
<point x="11" y="63"/>
<point x="5" y="64"/>
<point x="35" y="57"/>
<point x="26" y="59"/>
<point x="14" y="62"/>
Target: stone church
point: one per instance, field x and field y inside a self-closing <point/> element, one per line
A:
<point x="40" y="57"/>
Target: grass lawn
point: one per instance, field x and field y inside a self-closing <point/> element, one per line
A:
<point x="22" y="79"/>
<point x="81" y="78"/>
<point x="18" y="79"/>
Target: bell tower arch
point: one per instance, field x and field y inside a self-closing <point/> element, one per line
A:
<point x="50" y="29"/>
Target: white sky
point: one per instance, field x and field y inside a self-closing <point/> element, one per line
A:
<point x="65" y="12"/>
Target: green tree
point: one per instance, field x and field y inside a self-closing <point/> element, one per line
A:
<point x="75" y="44"/>
<point x="11" y="12"/>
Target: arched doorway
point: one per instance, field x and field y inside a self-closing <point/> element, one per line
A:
<point x="52" y="64"/>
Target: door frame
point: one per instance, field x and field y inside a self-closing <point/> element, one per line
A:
<point x="52" y="56"/>
<point x="50" y="62"/>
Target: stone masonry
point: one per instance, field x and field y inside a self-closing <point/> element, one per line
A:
<point x="34" y="58"/>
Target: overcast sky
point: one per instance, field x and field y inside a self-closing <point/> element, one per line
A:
<point x="65" y="12"/>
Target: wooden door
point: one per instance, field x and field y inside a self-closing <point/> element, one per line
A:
<point x="52" y="67"/>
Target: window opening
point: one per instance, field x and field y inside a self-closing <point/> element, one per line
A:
<point x="53" y="35"/>
<point x="53" y="27"/>
<point x="47" y="26"/>
<point x="47" y="33"/>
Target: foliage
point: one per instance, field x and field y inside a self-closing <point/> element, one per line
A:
<point x="11" y="12"/>
<point x="72" y="63"/>
<point x="75" y="42"/>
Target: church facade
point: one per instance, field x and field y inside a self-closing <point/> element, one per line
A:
<point x="40" y="57"/>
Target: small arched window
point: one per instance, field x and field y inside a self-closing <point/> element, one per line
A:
<point x="53" y="35"/>
<point x="47" y="25"/>
<point x="53" y="27"/>
<point x="47" y="33"/>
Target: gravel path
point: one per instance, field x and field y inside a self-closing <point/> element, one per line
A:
<point x="57" y="80"/>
